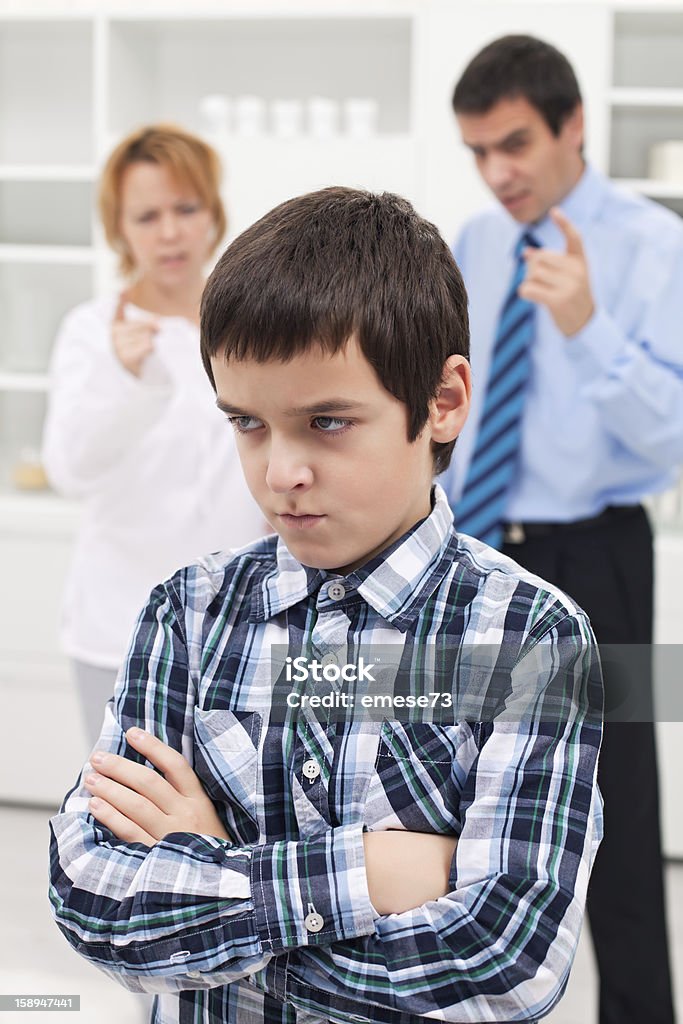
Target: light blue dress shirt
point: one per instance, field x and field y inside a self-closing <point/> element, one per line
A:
<point x="603" y="416"/>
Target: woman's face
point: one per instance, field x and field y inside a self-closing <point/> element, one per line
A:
<point x="166" y="227"/>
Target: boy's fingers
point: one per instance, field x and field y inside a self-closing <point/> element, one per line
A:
<point x="136" y="807"/>
<point x="124" y="829"/>
<point x="572" y="236"/>
<point x="170" y="762"/>
<point x="136" y="778"/>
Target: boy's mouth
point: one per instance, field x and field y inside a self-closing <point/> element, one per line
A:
<point x="299" y="522"/>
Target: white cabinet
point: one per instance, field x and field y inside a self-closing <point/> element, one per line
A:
<point x="72" y="85"/>
<point x="73" y="80"/>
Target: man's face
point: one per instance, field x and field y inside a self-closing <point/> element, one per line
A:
<point x="325" y="452"/>
<point x="527" y="168"/>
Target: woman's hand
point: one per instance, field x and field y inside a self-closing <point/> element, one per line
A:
<point x="133" y="340"/>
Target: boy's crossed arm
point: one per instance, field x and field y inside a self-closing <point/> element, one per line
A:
<point x="404" y="869"/>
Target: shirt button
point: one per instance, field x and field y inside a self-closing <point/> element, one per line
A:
<point x="313" y="922"/>
<point x="329" y="659"/>
<point x="311" y="770"/>
<point x="194" y="974"/>
<point x="336" y="591"/>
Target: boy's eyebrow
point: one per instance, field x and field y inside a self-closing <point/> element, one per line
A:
<point x="317" y="409"/>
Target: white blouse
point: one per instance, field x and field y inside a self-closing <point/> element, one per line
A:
<point x="155" y="463"/>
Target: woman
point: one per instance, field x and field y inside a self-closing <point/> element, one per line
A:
<point x="132" y="426"/>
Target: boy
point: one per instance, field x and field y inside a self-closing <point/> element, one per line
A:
<point x="287" y="866"/>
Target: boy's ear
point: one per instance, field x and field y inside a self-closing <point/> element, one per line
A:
<point x="448" y="411"/>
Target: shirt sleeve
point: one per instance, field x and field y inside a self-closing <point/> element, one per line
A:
<point x="500" y="945"/>
<point x="633" y="362"/>
<point x="193" y="911"/>
<point x="96" y="409"/>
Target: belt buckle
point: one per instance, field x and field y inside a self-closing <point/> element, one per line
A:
<point x="514" y="533"/>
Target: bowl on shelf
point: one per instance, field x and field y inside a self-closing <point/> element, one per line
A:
<point x="666" y="161"/>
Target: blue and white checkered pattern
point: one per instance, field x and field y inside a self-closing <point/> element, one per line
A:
<point x="480" y="511"/>
<point x="217" y="928"/>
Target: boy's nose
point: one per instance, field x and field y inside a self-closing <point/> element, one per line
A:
<point x="287" y="472"/>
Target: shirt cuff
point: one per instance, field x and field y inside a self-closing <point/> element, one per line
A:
<point x="601" y="339"/>
<point x="312" y="892"/>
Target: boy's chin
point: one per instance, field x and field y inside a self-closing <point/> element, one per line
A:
<point x="328" y="561"/>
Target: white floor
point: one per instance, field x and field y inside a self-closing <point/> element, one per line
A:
<point x="34" y="958"/>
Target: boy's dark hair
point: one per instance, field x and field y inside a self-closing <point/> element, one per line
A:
<point x="515" y="66"/>
<point x="337" y="262"/>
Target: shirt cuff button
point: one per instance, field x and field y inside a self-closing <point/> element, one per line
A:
<point x="313" y="922"/>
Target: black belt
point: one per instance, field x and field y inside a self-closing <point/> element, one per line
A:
<point x="518" y="533"/>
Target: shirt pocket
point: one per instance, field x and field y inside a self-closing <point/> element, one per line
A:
<point x="227" y="762"/>
<point x="412" y="786"/>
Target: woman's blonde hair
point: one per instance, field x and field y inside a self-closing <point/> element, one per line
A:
<point x="191" y="162"/>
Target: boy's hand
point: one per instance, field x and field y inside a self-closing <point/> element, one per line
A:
<point x="138" y="805"/>
<point x="560" y="280"/>
<point x="406" y="869"/>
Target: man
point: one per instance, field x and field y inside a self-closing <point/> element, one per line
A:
<point x="576" y="304"/>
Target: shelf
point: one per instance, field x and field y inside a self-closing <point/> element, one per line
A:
<point x="77" y="255"/>
<point x="46" y="213"/>
<point x="47" y="172"/>
<point x="275" y="58"/>
<point x="640" y="97"/>
<point x="31" y="382"/>
<point x="634" y="131"/>
<point x="24" y="512"/>
<point x="653" y="189"/>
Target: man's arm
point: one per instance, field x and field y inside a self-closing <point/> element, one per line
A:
<point x="636" y="360"/>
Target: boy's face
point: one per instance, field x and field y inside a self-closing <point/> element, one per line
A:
<point x="325" y="452"/>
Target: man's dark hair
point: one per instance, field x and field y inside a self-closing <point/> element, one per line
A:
<point x="335" y="263"/>
<point x="514" y="66"/>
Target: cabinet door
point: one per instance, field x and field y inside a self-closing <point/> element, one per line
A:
<point x="38" y="698"/>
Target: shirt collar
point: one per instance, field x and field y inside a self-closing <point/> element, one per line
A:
<point x="580" y="205"/>
<point x="396" y="583"/>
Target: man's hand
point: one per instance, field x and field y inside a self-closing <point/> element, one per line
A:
<point x="138" y="805"/>
<point x="406" y="869"/>
<point x="133" y="340"/>
<point x="559" y="280"/>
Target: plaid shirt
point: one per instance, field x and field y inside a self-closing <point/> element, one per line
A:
<point x="278" y="926"/>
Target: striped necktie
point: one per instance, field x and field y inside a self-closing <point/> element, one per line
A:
<point x="481" y="509"/>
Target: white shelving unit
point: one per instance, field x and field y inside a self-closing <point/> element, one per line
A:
<point x="75" y="75"/>
<point x="113" y="69"/>
<point x="646" y="107"/>
<point x="72" y="83"/>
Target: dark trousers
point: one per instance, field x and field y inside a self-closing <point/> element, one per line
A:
<point x="607" y="569"/>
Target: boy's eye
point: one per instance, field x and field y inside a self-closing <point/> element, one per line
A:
<point x="244" y="424"/>
<point x="330" y="424"/>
